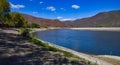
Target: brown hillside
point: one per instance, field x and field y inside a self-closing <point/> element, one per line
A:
<point x="104" y="19"/>
<point x="44" y="22"/>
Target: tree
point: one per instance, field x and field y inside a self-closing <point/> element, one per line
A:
<point x="4" y="10"/>
<point x="17" y="19"/>
<point x="34" y="25"/>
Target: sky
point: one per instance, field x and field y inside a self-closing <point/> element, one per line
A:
<point x="63" y="9"/>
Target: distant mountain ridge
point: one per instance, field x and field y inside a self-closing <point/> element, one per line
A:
<point x="44" y="22"/>
<point x="104" y="19"/>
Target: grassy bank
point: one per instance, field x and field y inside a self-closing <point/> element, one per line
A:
<point x="58" y="51"/>
<point x="53" y="49"/>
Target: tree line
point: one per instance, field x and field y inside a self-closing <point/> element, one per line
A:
<point x="13" y="19"/>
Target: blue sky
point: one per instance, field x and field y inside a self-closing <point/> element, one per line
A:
<point x="63" y="9"/>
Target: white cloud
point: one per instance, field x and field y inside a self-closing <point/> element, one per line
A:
<point x="59" y="17"/>
<point x="34" y="12"/>
<point x="51" y="8"/>
<point x="18" y="6"/>
<point x="66" y="19"/>
<point x="75" y="6"/>
<point x="41" y="2"/>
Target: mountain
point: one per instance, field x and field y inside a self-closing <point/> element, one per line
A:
<point x="104" y="19"/>
<point x="44" y="22"/>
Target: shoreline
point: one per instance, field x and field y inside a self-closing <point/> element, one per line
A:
<point x="110" y="56"/>
<point x="43" y="29"/>
<point x="97" y="28"/>
<point x="79" y="54"/>
<point x="82" y="28"/>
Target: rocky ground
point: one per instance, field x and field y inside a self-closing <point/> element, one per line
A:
<point x="16" y="50"/>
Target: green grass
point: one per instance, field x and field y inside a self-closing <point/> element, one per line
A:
<point x="61" y="52"/>
<point x="51" y="48"/>
<point x="35" y="41"/>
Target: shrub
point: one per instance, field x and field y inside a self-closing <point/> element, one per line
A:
<point x="17" y="19"/>
<point x="33" y="25"/>
<point x="25" y="32"/>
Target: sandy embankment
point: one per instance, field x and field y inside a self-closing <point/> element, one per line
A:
<point x="98" y="28"/>
<point x="82" y="55"/>
<point x="110" y="56"/>
<point x="43" y="29"/>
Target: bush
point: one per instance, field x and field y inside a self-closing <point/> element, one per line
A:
<point x="17" y="19"/>
<point x="25" y="32"/>
<point x="33" y="25"/>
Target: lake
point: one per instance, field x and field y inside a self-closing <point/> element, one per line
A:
<point x="85" y="41"/>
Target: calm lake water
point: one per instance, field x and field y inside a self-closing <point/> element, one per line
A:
<point x="91" y="42"/>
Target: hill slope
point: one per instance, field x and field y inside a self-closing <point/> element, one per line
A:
<point x="44" y="22"/>
<point x="104" y="19"/>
